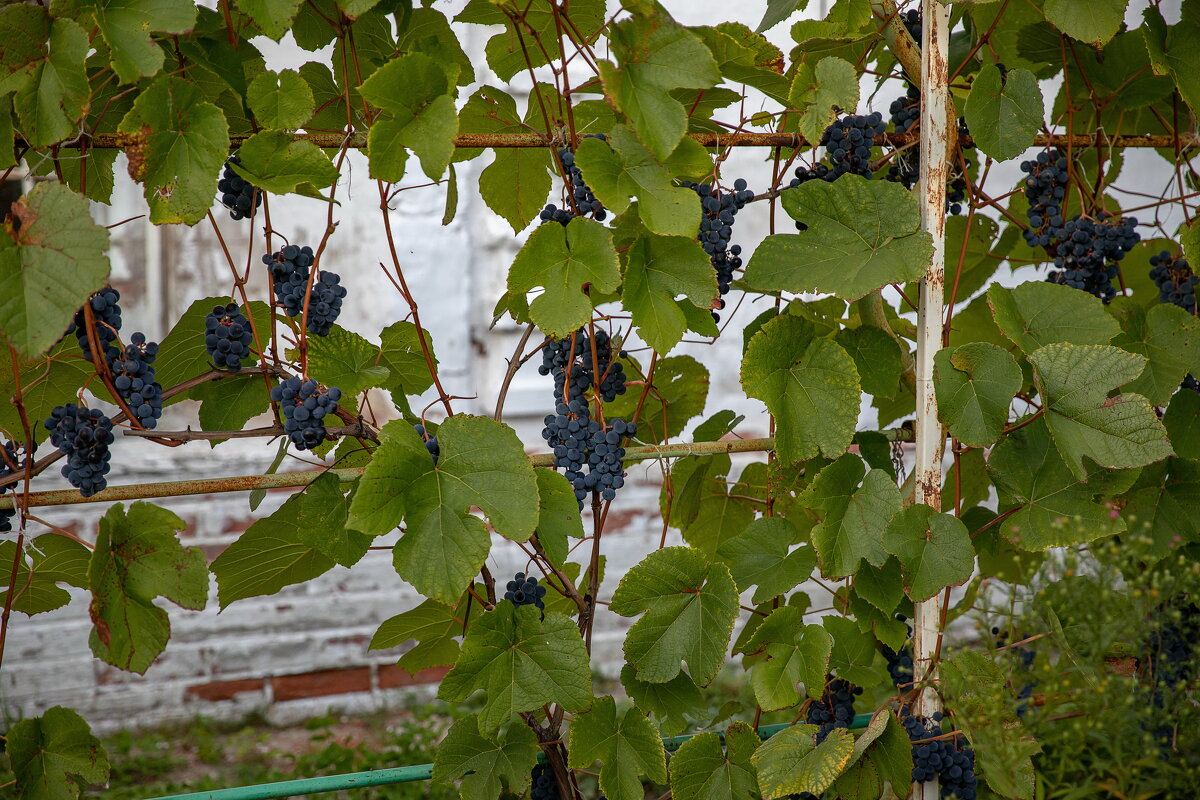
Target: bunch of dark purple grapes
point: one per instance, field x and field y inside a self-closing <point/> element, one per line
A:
<point x="835" y="709"/>
<point x="227" y="337"/>
<point x="1089" y="251"/>
<point x="305" y="404"/>
<point x="83" y="436"/>
<point x="107" y="315"/>
<point x="848" y="142"/>
<point x="133" y="377"/>
<point x="952" y="764"/>
<point x="525" y="591"/>
<point x="718" y="211"/>
<point x="1175" y="281"/>
<point x="289" y="271"/>
<point x="584" y="202"/>
<point x="238" y="195"/>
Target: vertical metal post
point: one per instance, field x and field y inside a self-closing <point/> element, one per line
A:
<point x="930" y="437"/>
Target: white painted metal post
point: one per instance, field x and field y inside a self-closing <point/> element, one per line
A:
<point x="931" y="438"/>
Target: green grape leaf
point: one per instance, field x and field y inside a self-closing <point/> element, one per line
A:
<point x="622" y="168"/>
<point x="126" y="26"/>
<point x="702" y="770"/>
<point x="861" y="235"/>
<point x="810" y="385"/>
<point x="51" y="104"/>
<point x="880" y="587"/>
<point x="689" y="608"/>
<point x="488" y="766"/>
<point x="138" y="558"/>
<point x="1182" y="421"/>
<point x="656" y="55"/>
<point x="818" y="92"/>
<point x="401" y="354"/>
<point x="979" y="262"/>
<point x="521" y="663"/>
<point x="24" y="30"/>
<point x="876" y="358"/>
<point x="657" y="270"/>
<point x="627" y="745"/>
<point x="975" y="384"/>
<point x="777" y="12"/>
<point x="1038" y="313"/>
<point x="432" y="625"/>
<point x="48" y="560"/>
<point x="509" y="52"/>
<point x="482" y="465"/>
<point x="1004" y="114"/>
<point x="1181" y="46"/>
<point x="1116" y="432"/>
<point x="854" y="507"/>
<point x="679" y="394"/>
<point x="184" y="144"/>
<point x="792" y="653"/>
<point x="182" y="354"/>
<point x="1091" y="23"/>
<point x="418" y="95"/>
<point x="791" y="762"/>
<point x="346" y="360"/>
<point x="758" y="556"/>
<point x="567" y="262"/>
<point x="1168" y="337"/>
<point x="306" y="537"/>
<point x="278" y="164"/>
<point x="934" y="550"/>
<point x="46" y="382"/>
<point x="854" y="655"/>
<point x="673" y="702"/>
<point x="229" y="405"/>
<point x="1166" y="500"/>
<point x="273" y="17"/>
<point x="559" y="517"/>
<point x="890" y="751"/>
<point x="49" y="266"/>
<point x="281" y="99"/>
<point x="719" y="517"/>
<point x="53" y="756"/>
<point x="1027" y="469"/>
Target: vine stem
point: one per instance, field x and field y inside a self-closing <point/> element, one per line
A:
<point x="930" y="436"/>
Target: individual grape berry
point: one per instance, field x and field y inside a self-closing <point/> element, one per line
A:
<point x="848" y="142"/>
<point x="718" y="211"/>
<point x="238" y="195"/>
<point x="525" y="591"/>
<point x="13" y="463"/>
<point x="107" y="314"/>
<point x="133" y="377"/>
<point x="289" y="271"/>
<point x="431" y="442"/>
<point x="83" y="436"/>
<point x="305" y="405"/>
<point x="585" y="202"/>
<point x="227" y="337"/>
<point x="544" y="786"/>
<point x="835" y="709"/>
<point x="1175" y="281"/>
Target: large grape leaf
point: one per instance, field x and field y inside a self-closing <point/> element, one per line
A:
<point x="1165" y="502"/>
<point x="934" y="550"/>
<point x="306" y="537"/>
<point x="482" y="465"/>
<point x="279" y="164"/>
<point x="567" y="262"/>
<point x="1028" y="470"/>
<point x="509" y="52"/>
<point x="679" y="394"/>
<point x="1168" y="337"/>
<point x="138" y="558"/>
<point x="1093" y="23"/>
<point x="820" y="92"/>
<point x="184" y="141"/>
<point x="853" y="507"/>
<point x="418" y="95"/>
<point x="51" y="260"/>
<point x="689" y="608"/>
<point x="627" y="745"/>
<point x="1116" y="432"/>
<point x="656" y="55"/>
<point x="657" y="270"/>
<point x="48" y="560"/>
<point x="127" y="26"/>
<point x="854" y="655"/>
<point x="229" y="405"/>
<point x="975" y="385"/>
<point x="758" y="556"/>
<point x="810" y="385"/>
<point x="1038" y="313"/>
<point x="559" y="517"/>
<point x="702" y="770"/>
<point x="280" y="99"/>
<point x="54" y="98"/>
<point x="433" y="625"/>
<point x="861" y="235"/>
<point x="791" y="762"/>
<point x="791" y="653"/>
<point x="877" y="358"/>
<point x="400" y="351"/>
<point x="1004" y="113"/>
<point x="521" y="663"/>
<point x="673" y="702"/>
<point x="274" y="17"/>
<point x="53" y="754"/>
<point x="489" y="766"/>
<point x="346" y="360"/>
<point x="46" y="382"/>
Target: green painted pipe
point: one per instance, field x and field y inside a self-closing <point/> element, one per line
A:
<point x="381" y="777"/>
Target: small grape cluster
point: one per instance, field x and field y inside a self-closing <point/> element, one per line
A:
<point x="577" y="440"/>
<point x="953" y="766"/>
<point x="585" y="200"/>
<point x="83" y="436"/>
<point x="431" y="442"/>
<point x="240" y="196"/>
<point x="835" y="709"/>
<point x="525" y="591"/>
<point x="905" y="168"/>
<point x="289" y="270"/>
<point x="305" y="405"/>
<point x="13" y="459"/>
<point x="718" y="211"/>
<point x="227" y="337"/>
<point x="575" y="365"/>
<point x="1087" y="256"/>
<point x="848" y="142"/>
<point x="1046" y="190"/>
<point x="107" y="314"/>
<point x="544" y="786"/>
<point x="1175" y="280"/>
<point x="133" y="377"/>
<point x="899" y="662"/>
<point x="912" y="23"/>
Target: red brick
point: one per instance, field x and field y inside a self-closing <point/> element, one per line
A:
<point x="225" y="690"/>
<point x="321" y="683"/>
<point x="392" y="677"/>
